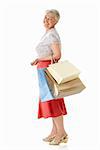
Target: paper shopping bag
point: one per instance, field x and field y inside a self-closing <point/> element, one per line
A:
<point x="63" y="71"/>
<point x="68" y="88"/>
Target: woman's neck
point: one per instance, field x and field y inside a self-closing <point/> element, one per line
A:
<point x="49" y="29"/>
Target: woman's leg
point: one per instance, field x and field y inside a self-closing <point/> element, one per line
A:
<point x="53" y="132"/>
<point x="59" y="123"/>
<point x="54" y="128"/>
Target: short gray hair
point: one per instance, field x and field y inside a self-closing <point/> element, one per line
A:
<point x="55" y="13"/>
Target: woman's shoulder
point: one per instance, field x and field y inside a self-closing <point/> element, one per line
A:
<point x="53" y="31"/>
<point x="53" y="34"/>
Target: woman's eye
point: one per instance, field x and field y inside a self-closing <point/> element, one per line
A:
<point x="50" y="18"/>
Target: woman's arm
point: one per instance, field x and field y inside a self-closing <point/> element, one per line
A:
<point x="56" y="48"/>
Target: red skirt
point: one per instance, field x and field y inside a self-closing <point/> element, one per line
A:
<point x="51" y="108"/>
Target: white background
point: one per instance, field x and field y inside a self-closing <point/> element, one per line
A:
<point x="22" y="28"/>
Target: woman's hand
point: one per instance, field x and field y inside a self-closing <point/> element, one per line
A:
<point x="35" y="62"/>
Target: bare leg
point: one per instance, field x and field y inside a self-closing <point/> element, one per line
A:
<point x="54" y="129"/>
<point x="53" y="132"/>
<point x="60" y="127"/>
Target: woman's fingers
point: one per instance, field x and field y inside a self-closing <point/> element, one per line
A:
<point x="34" y="62"/>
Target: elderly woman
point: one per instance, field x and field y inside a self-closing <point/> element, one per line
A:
<point x="50" y="46"/>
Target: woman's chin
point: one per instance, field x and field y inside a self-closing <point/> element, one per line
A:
<point x="48" y="27"/>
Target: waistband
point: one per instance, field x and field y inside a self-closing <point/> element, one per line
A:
<point x="44" y="61"/>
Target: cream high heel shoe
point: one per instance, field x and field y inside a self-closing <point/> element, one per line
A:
<point x="49" y="139"/>
<point x="63" y="139"/>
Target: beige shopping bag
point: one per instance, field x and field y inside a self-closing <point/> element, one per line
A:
<point x="63" y="71"/>
<point x="64" y="89"/>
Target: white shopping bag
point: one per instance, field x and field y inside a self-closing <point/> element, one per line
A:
<point x="63" y="71"/>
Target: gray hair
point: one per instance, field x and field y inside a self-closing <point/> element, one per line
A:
<point x="55" y="13"/>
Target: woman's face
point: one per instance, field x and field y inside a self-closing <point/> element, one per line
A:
<point x="49" y="21"/>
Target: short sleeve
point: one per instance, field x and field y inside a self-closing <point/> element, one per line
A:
<point x="54" y="38"/>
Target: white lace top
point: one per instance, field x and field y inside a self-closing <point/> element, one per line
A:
<point x="43" y="49"/>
